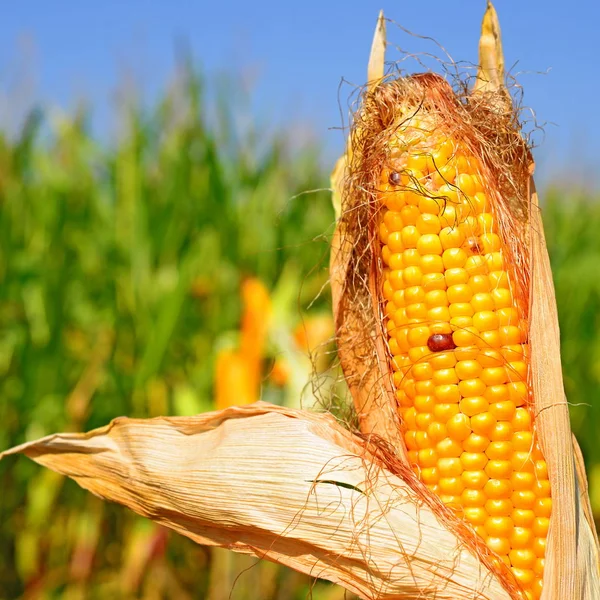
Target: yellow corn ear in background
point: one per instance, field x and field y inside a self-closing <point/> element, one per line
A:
<point x="457" y="336"/>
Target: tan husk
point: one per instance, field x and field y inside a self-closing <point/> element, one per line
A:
<point x="489" y="124"/>
<point x="286" y="485"/>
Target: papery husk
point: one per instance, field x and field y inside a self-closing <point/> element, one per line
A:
<point x="282" y="484"/>
<point x="572" y="556"/>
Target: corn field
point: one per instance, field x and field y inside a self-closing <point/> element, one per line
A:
<point x="122" y="269"/>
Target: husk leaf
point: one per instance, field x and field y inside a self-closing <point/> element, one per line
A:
<point x="286" y="485"/>
<point x="370" y="388"/>
<point x="571" y="569"/>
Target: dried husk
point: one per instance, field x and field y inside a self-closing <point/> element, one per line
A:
<point x="572" y="557"/>
<point x="282" y="484"/>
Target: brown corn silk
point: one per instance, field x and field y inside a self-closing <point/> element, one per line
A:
<point x="413" y="144"/>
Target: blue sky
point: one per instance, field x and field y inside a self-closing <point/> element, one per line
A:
<point x="296" y="54"/>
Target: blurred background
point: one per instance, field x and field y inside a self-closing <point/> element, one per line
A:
<point x="164" y="231"/>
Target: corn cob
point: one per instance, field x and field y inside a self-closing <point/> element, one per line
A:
<point x="457" y="336"/>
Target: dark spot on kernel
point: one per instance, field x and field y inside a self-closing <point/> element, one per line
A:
<point x="394" y="178"/>
<point x="440" y="341"/>
<point x="473" y="245"/>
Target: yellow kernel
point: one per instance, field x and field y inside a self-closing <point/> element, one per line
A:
<point x="454" y="258"/>
<point x="467" y="369"/>
<point x="411" y="257"/>
<point x="498" y="507"/>
<point x="522" y="441"/>
<point x="517" y="392"/>
<point x="482" y="301"/>
<point x="461" y="323"/>
<point x="447" y="393"/>
<point x="430" y="475"/>
<point x="473" y="461"/>
<point x="485" y="320"/>
<point x="523" y="499"/>
<point x="456" y="276"/>
<point x="417" y="354"/>
<point x="522" y="420"/>
<point x="496" y="393"/>
<point x="417" y="311"/>
<point x="474" y="480"/>
<point x="443" y="412"/>
<point x="499" y="451"/>
<point x="476" y="443"/>
<point x="542" y="488"/>
<point x="460" y="309"/>
<point x="522" y="558"/>
<point x="498" y="488"/>
<point x="410" y="214"/>
<point x="433" y="281"/>
<point x="541" y="469"/>
<point x="495" y="261"/>
<point x="427" y="457"/>
<point x="459" y="293"/>
<point x="523" y="517"/>
<point x="503" y="411"/>
<point x="443" y="376"/>
<point x="448" y="448"/>
<point x="450" y="500"/>
<point x="436" y="298"/>
<point x="459" y="427"/>
<point x="499" y="469"/>
<point x="483" y="423"/>
<point x="498" y="545"/>
<point x="414" y="293"/>
<point x="437" y="432"/>
<point x="476" y="265"/>
<point x="410" y="237"/>
<point x="422" y="439"/>
<point x="424" y="403"/>
<point x="429" y="205"/>
<point x="432" y="263"/>
<point x="525" y="577"/>
<point x="412" y="275"/>
<point x="499" y="526"/>
<point x="491" y="242"/>
<point x="493" y="376"/>
<point x="422" y="371"/>
<point x="418" y="335"/>
<point x="521" y="461"/>
<point x="423" y="420"/>
<point x="502" y="432"/>
<point x="474" y="405"/>
<point x="442" y="360"/>
<point x="386" y="256"/>
<point x="429" y="243"/>
<point x="471" y="387"/>
<point x="479" y="283"/>
<point x="543" y="507"/>
<point x="499" y="279"/>
<point x="451" y="237"/>
<point x="475" y="515"/>
<point x="507" y="316"/>
<point x="438" y="313"/>
<point x="489" y="339"/>
<point x="540" y="526"/>
<point x="450" y="467"/>
<point x="410" y="440"/>
<point x="510" y="335"/>
<point x="502" y="298"/>
<point x="467" y="336"/>
<point x="466" y="185"/>
<point x="428" y="223"/>
<point x="451" y="485"/>
<point x="539" y="566"/>
<point x="472" y="498"/>
<point x="539" y="547"/>
<point x="521" y="537"/>
<point x="522" y="481"/>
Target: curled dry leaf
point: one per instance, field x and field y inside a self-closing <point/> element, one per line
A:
<point x="281" y="484"/>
